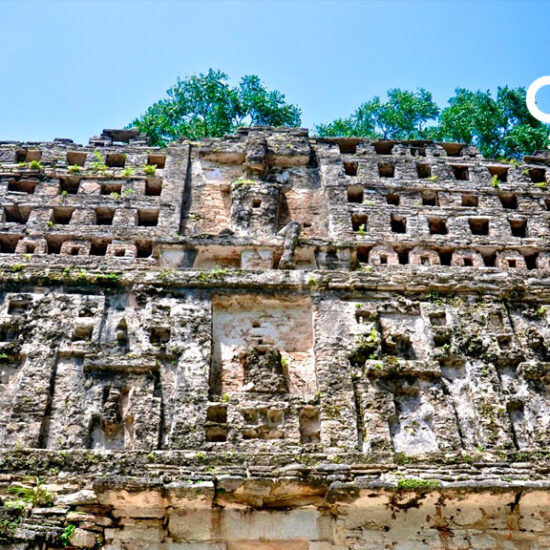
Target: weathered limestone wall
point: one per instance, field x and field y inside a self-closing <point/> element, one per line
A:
<point x="273" y="341"/>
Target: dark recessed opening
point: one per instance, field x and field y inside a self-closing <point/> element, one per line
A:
<point x="348" y="146"/>
<point x="115" y="160"/>
<point x="8" y="243"/>
<point x="350" y="168"/>
<point x="445" y="257"/>
<point x="147" y="217"/>
<point x="20" y="155"/>
<point x="62" y="215"/>
<point x="537" y="175"/>
<point x="479" y="226"/>
<point x="156" y="160"/>
<point x="144" y="248"/>
<point x="69" y="185"/>
<point x="73" y="251"/>
<point x="217" y="413"/>
<point x="363" y="254"/>
<point x="392" y="198"/>
<point x="30" y="248"/>
<point x="508" y="200"/>
<point x="501" y="172"/>
<point x="355" y="193"/>
<point x="256" y="203"/>
<point x="453" y="149"/>
<point x="386" y="169"/>
<point x="217" y="434"/>
<point x="403" y="256"/>
<point x="119" y="252"/>
<point x="55" y="242"/>
<point x="424" y="260"/>
<point x="518" y="227"/>
<point x="429" y="198"/>
<point x="469" y="201"/>
<point x="383" y="147"/>
<point x="109" y="187"/>
<point x="512" y="263"/>
<point x="398" y="224"/>
<point x="74" y="157"/>
<point x="359" y="222"/>
<point x="461" y="172"/>
<point x="104" y="216"/>
<point x="418" y="151"/>
<point x="530" y="261"/>
<point x="22" y="186"/>
<point x="99" y="247"/>
<point x="437" y="226"/>
<point x="383" y="259"/>
<point x="547" y="204"/>
<point x="489" y="259"/>
<point x="16" y="214"/>
<point x="153" y="187"/>
<point x="467" y="262"/>
<point x="423" y="170"/>
<point x="160" y="335"/>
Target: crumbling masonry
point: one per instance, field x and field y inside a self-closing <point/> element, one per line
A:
<point x="271" y="341"/>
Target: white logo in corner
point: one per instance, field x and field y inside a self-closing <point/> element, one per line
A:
<point x="530" y="99"/>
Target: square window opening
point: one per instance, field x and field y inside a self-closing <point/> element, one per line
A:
<point x="537" y="175"/>
<point x="386" y="169"/>
<point x="429" y="198"/>
<point x="437" y="226"/>
<point x="62" y="216"/>
<point x="461" y="172"/>
<point x="156" y="160"/>
<point x="359" y="222"/>
<point x="423" y="170"/>
<point x="470" y="201"/>
<point x="355" y="193"/>
<point x="147" y="218"/>
<point x="518" y="228"/>
<point x="392" y="198"/>
<point x="350" y="168"/>
<point x="479" y="226"/>
<point x="104" y="216"/>
<point x="398" y="225"/>
<point x="508" y="200"/>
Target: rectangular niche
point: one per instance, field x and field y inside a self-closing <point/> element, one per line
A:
<point x="266" y="325"/>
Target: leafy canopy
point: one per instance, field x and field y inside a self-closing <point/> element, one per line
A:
<point x="500" y="127"/>
<point x="405" y="115"/>
<point x="205" y="105"/>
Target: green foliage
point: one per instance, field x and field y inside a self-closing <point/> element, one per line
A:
<point x="16" y="268"/>
<point x="362" y="231"/>
<point x="150" y="169"/>
<point x="35" y="165"/>
<point x="33" y="496"/>
<point x="75" y="169"/>
<point x="65" y="537"/>
<point x="411" y="484"/>
<point x="495" y="182"/>
<point x="405" y="115"/>
<point x="107" y="277"/>
<point x="127" y="172"/>
<point x="500" y="126"/>
<point x="3" y="357"/>
<point x="99" y="164"/>
<point x="204" y="105"/>
<point x="22" y="164"/>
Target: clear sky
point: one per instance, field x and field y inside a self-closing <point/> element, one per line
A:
<point x="72" y="68"/>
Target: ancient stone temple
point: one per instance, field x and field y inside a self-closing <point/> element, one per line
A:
<point x="273" y="342"/>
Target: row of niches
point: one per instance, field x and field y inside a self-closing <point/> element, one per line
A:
<point x="457" y="226"/>
<point x="358" y="146"/>
<point x="95" y="160"/>
<point x="123" y="216"/>
<point x="69" y="245"/>
<point x="508" y="200"/>
<point x="125" y="187"/>
<point x="259" y="420"/>
<point x="490" y="175"/>
<point x="383" y="255"/>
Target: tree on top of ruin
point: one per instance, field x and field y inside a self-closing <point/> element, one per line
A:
<point x="206" y="105"/>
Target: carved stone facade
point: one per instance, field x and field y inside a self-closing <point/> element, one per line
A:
<point x="273" y="341"/>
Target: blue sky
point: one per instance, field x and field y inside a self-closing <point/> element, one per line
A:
<point x="71" y="68"/>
